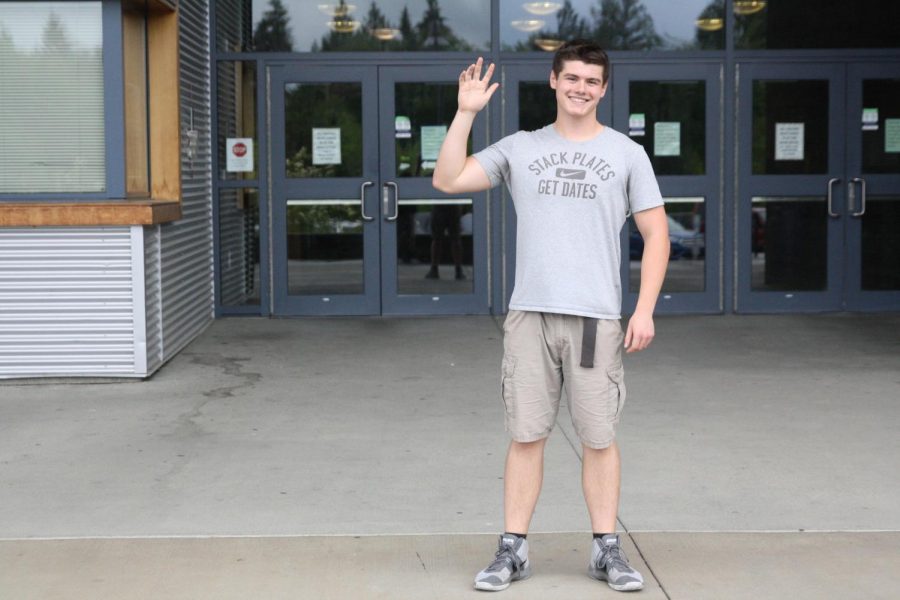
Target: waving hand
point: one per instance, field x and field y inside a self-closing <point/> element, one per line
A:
<point x="474" y="91"/>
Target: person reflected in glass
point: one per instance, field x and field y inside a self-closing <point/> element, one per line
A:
<point x="406" y="234"/>
<point x="445" y="225"/>
<point x="572" y="183"/>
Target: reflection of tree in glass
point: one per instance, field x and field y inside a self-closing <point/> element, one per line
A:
<point x="273" y="33"/>
<point x="424" y="104"/>
<point x="54" y="37"/>
<point x="617" y="25"/>
<point x="434" y="33"/>
<point x="300" y="165"/>
<point x="571" y="24"/>
<point x="317" y="218"/>
<point x="407" y="33"/>
<point x="6" y="41"/>
<point x="624" y="25"/>
<point x="361" y="39"/>
<point x="749" y="30"/>
<point x="334" y="105"/>
<point x="710" y="40"/>
<point x="430" y="33"/>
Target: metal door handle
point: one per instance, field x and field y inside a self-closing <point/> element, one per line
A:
<point x="831" y="183"/>
<point x="862" y="197"/>
<point x="362" y="200"/>
<point x="396" y="214"/>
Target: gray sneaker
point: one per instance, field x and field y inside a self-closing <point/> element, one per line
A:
<point x="609" y="563"/>
<point x="511" y="564"/>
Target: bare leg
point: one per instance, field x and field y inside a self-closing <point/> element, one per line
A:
<point x="522" y="483"/>
<point x="600" y="481"/>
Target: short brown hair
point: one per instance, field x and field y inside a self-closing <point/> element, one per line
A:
<point x="585" y="51"/>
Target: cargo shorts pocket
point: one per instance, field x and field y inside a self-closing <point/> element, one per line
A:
<point x="616" y="392"/>
<point x="507" y="369"/>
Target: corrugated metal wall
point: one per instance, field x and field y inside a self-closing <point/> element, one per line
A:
<point x="66" y="301"/>
<point x="186" y="246"/>
<point x="152" y="298"/>
<point x="234" y="269"/>
<point x="118" y="301"/>
<point x="232" y="218"/>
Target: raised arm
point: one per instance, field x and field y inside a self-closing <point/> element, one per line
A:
<point x="455" y="172"/>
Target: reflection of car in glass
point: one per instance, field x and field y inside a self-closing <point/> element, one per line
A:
<point x="683" y="242"/>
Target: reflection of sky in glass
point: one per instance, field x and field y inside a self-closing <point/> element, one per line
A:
<point x="674" y="21"/>
<point x="25" y="22"/>
<point x="469" y="19"/>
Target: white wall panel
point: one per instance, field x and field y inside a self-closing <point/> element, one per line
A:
<point x="66" y="303"/>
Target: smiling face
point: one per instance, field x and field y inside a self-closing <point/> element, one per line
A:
<point x="579" y="88"/>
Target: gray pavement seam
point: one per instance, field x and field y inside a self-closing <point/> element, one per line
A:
<point x="627" y="532"/>
<point x="644" y="558"/>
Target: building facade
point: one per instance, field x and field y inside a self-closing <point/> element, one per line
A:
<point x="168" y="162"/>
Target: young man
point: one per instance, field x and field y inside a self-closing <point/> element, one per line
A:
<point x="572" y="183"/>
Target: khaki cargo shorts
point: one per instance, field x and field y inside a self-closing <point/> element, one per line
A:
<point x="541" y="357"/>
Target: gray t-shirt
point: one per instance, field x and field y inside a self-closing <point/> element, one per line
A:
<point x="571" y="199"/>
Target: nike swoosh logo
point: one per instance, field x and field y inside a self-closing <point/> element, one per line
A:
<point x="564" y="173"/>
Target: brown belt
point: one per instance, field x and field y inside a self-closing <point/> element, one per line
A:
<point x="588" y="342"/>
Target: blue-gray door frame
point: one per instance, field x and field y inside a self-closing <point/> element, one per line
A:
<point x="708" y="185"/>
<point x="876" y="185"/>
<point x="333" y="188"/>
<point x="814" y="185"/>
<point x="380" y="295"/>
<point x="409" y="188"/>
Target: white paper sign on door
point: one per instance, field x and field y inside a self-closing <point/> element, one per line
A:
<point x="667" y="138"/>
<point x="636" y="122"/>
<point x="892" y="135"/>
<point x="789" y="141"/>
<point x="326" y="143"/>
<point x="870" y="119"/>
<point x="239" y="155"/>
<point x="432" y="138"/>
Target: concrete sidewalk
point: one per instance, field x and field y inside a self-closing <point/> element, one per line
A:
<point x="759" y="458"/>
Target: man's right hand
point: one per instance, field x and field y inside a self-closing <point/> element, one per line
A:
<point x="474" y="92"/>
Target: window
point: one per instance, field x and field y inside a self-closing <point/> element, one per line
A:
<point x="71" y="75"/>
<point x="351" y="26"/>
<point x="51" y="97"/>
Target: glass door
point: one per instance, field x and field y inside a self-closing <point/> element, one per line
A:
<point x="675" y="113"/>
<point x="325" y="225"/>
<point x="434" y="246"/>
<point x="872" y="185"/>
<point x="358" y="228"/>
<point x="791" y="201"/>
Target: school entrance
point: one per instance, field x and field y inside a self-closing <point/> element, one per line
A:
<point x="776" y="147"/>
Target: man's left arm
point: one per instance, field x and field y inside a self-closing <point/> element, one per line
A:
<point x="654" y="228"/>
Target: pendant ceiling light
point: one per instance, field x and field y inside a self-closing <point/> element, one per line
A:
<point x="528" y="25"/>
<point x="385" y="34"/>
<point x="343" y="25"/>
<point x="548" y="44"/>
<point x="542" y="8"/>
<point x="748" y="7"/>
<point x="337" y="10"/>
<point x="710" y="24"/>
